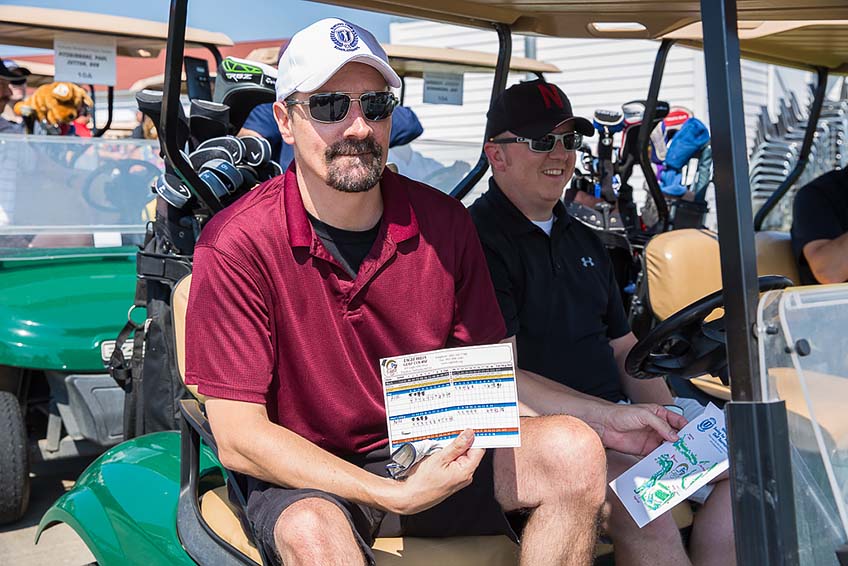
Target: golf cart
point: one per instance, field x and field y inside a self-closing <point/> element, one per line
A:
<point x="71" y="218"/>
<point x="162" y="498"/>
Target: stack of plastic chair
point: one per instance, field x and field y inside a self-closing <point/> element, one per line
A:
<point x="776" y="152"/>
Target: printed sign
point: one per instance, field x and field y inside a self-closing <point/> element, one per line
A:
<point x="85" y="59"/>
<point x="443" y="88"/>
<point x="675" y="470"/>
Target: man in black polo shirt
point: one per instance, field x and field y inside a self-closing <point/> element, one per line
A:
<point x="820" y="229"/>
<point x="557" y="293"/>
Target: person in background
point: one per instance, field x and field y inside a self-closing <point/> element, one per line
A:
<point x="563" y="311"/>
<point x="82" y="123"/>
<point x="11" y="76"/>
<point x="820" y="229"/>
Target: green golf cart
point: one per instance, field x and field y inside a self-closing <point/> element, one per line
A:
<point x="72" y="214"/>
<point x="164" y="498"/>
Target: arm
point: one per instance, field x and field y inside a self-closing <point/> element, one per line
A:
<point x="632" y="429"/>
<point x="638" y="390"/>
<point x="828" y="259"/>
<point x="818" y="236"/>
<point x="250" y="444"/>
<point x="249" y="132"/>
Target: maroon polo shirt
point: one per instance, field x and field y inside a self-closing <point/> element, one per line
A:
<point x="274" y="319"/>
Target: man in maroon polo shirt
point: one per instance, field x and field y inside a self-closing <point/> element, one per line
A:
<point x="303" y="285"/>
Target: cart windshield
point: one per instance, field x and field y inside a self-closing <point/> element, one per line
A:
<point x="440" y="164"/>
<point x="73" y="193"/>
<point x="805" y="357"/>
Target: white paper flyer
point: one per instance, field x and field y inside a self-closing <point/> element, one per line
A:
<point x="675" y="470"/>
<point x="434" y="396"/>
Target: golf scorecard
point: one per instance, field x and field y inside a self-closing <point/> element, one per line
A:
<point x="675" y="470"/>
<point x="431" y="397"/>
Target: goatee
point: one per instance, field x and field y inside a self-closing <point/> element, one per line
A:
<point x="357" y="178"/>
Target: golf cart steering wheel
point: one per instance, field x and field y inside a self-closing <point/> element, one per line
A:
<point x="685" y="345"/>
<point x="126" y="169"/>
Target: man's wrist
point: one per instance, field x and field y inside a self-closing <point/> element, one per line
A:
<point x="385" y="492"/>
<point x="596" y="415"/>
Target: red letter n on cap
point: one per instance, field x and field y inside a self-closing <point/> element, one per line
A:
<point x="550" y="95"/>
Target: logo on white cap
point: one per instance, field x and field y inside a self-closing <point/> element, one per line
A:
<point x="344" y="37"/>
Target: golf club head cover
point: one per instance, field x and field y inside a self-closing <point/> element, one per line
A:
<point x="257" y="151"/>
<point x="226" y="171"/>
<point x="233" y="145"/>
<point x="208" y="120"/>
<point x="201" y="156"/>
<point x="150" y="104"/>
<point x="172" y="190"/>
<point x="215" y="183"/>
<point x="269" y="170"/>
<point x="250" y="176"/>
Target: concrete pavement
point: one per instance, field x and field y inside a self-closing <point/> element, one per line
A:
<point x="59" y="546"/>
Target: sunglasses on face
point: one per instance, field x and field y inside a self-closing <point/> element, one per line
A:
<point x="330" y="107"/>
<point x="570" y="141"/>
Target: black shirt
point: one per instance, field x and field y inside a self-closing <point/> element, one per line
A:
<point x="820" y="212"/>
<point x="558" y="294"/>
<point x="349" y="247"/>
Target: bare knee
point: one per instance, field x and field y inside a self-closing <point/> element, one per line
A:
<point x="314" y="527"/>
<point x="572" y="456"/>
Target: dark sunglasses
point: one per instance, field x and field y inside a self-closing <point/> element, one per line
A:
<point x="570" y="141"/>
<point x="329" y="107"/>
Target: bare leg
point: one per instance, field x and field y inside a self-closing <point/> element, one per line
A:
<point x="655" y="544"/>
<point x="712" y="534"/>
<point x="558" y="474"/>
<point x="315" y="531"/>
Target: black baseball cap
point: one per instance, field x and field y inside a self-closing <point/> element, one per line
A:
<point x="10" y="71"/>
<point x="533" y="109"/>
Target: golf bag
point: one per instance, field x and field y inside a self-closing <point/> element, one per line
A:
<point x="150" y="376"/>
<point x="229" y="167"/>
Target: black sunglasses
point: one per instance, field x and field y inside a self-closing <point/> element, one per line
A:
<point x="546" y="144"/>
<point x="329" y="107"/>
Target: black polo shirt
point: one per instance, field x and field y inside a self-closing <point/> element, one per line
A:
<point x="557" y="294"/>
<point x="820" y="212"/>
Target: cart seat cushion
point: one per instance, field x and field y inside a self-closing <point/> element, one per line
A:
<point x="684" y="266"/>
<point x="179" y="305"/>
<point x="775" y="256"/>
<point x="221" y="516"/>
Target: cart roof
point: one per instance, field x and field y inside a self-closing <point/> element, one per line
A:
<point x="798" y="33"/>
<point x="37" y="27"/>
<point x="414" y="60"/>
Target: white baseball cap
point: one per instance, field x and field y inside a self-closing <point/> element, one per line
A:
<point x="317" y="52"/>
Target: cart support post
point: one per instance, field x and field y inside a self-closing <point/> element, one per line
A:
<point x="761" y="478"/>
<point x="804" y="154"/>
<point x="733" y="194"/>
<point x="501" y="72"/>
<point x="169" y="125"/>
<point x="763" y="502"/>
<point x="110" y="107"/>
<point x="645" y="133"/>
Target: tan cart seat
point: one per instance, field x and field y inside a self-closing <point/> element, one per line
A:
<point x="828" y="393"/>
<point x="408" y="551"/>
<point x="222" y="517"/>
<point x="684" y="265"/>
